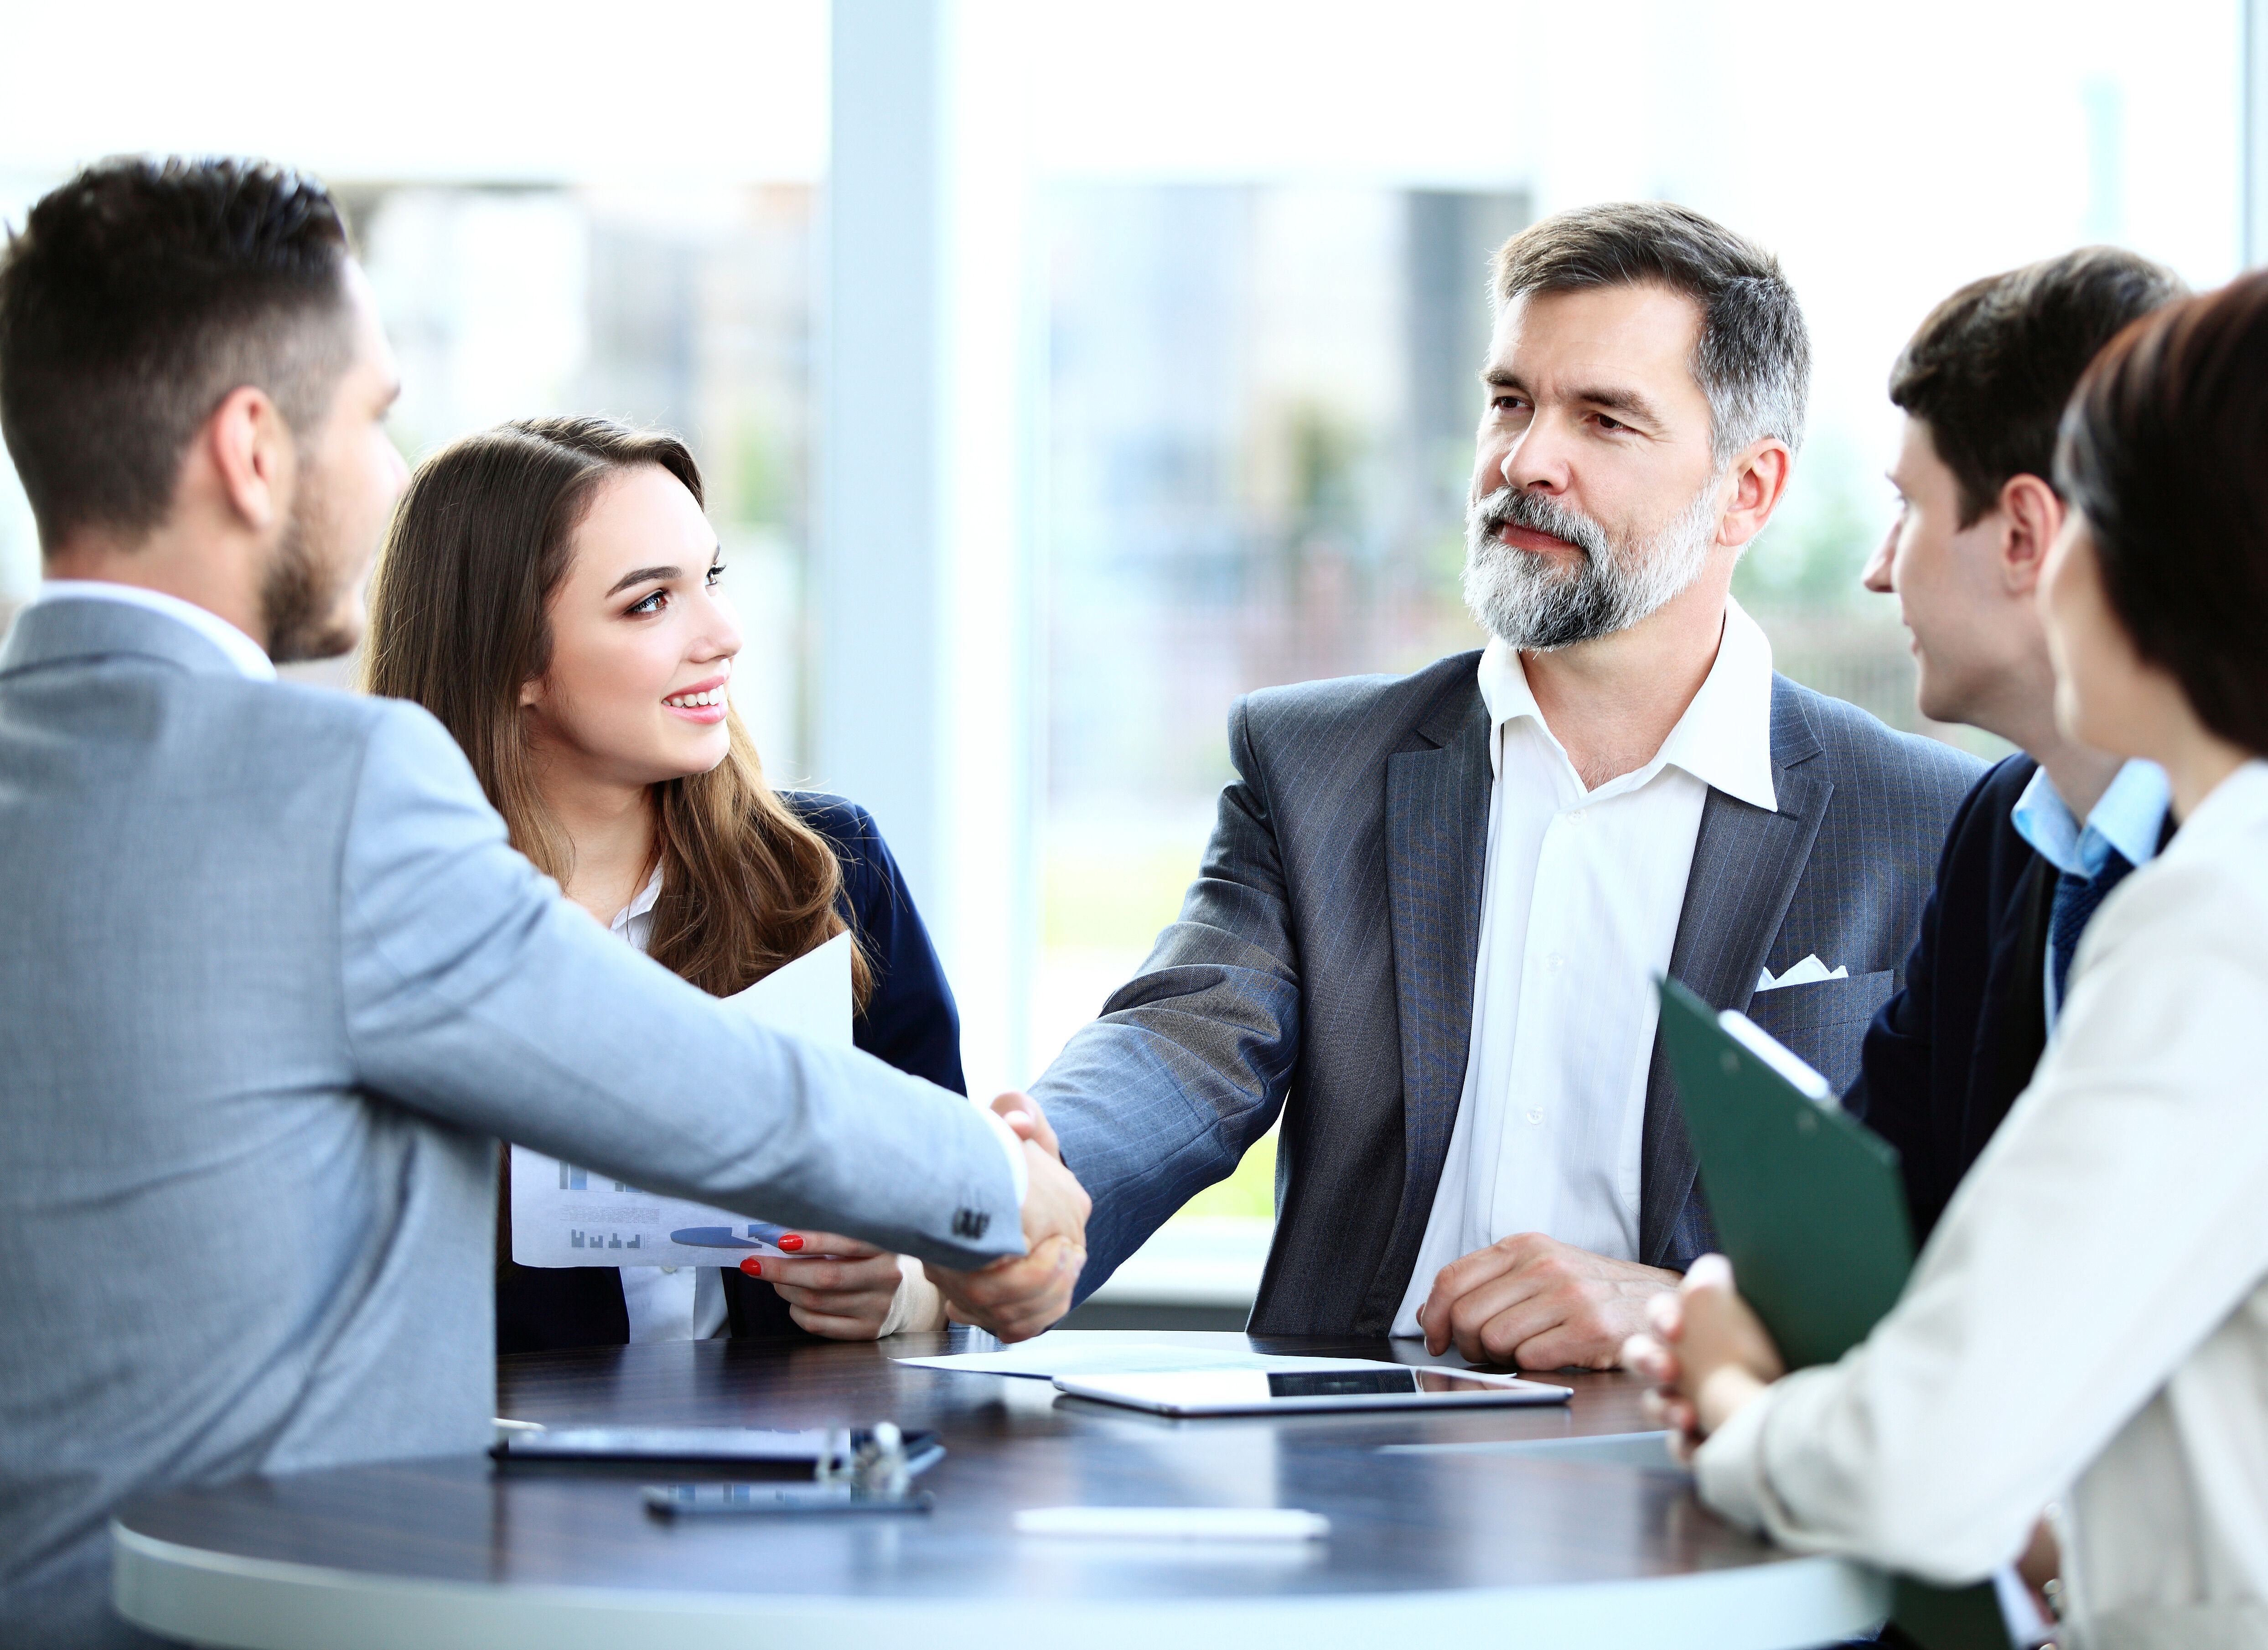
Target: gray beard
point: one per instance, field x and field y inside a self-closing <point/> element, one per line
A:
<point x="1522" y="599"/>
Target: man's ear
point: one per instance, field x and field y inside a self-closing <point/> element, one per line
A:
<point x="2031" y="515"/>
<point x="1759" y="480"/>
<point x="252" y="455"/>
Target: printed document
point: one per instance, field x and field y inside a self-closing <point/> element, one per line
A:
<point x="566" y="1215"/>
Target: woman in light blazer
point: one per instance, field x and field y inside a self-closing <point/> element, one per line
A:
<point x="2086" y="1330"/>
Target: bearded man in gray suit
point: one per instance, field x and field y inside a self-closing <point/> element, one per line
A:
<point x="272" y="981"/>
<point x="1426" y="927"/>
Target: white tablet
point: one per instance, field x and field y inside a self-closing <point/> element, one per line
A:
<point x="1362" y="1386"/>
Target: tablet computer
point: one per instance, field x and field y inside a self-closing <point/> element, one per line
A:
<point x="1362" y="1386"/>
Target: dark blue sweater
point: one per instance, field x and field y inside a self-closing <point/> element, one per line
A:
<point x="910" y="1021"/>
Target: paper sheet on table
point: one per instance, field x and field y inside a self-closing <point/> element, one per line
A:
<point x="1114" y="1352"/>
<point x="566" y="1215"/>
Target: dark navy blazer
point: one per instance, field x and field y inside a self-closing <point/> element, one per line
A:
<point x="910" y="1021"/>
<point x="1949" y="1053"/>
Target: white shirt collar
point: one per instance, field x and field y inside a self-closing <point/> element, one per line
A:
<point x="240" y="650"/>
<point x="1723" y="739"/>
<point x="642" y="906"/>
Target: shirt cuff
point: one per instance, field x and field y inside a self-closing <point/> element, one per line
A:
<point x="1728" y="1469"/>
<point x="1019" y="1171"/>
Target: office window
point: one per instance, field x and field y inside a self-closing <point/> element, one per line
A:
<point x="689" y="310"/>
<point x="1259" y="252"/>
<point x="1266" y="314"/>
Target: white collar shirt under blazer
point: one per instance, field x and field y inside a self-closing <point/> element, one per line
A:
<point x="1579" y="911"/>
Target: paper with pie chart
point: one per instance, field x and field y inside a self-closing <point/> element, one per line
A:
<point x="562" y="1215"/>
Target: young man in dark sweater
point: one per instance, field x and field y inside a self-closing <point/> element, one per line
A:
<point x="2047" y="833"/>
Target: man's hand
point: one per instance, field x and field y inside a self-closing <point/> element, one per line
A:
<point x="1017" y="1297"/>
<point x="1022" y="1114"/>
<point x="1708" y="1355"/>
<point x="1532" y="1302"/>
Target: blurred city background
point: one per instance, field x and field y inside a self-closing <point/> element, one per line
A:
<point x="1235" y="255"/>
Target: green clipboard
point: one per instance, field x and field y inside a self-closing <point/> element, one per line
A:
<point x="1808" y="1200"/>
<point x="1811" y="1211"/>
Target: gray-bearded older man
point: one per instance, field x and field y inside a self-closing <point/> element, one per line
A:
<point x="1425" y="929"/>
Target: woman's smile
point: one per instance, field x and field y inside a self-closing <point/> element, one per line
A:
<point x="703" y="702"/>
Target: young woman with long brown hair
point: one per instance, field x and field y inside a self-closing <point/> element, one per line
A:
<point x="547" y="591"/>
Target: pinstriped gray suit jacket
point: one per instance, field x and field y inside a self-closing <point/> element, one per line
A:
<point x="1322" y="967"/>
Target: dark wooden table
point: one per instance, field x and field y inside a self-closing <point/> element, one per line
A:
<point x="1501" y="1526"/>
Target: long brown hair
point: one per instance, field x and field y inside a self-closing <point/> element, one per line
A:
<point x="459" y="623"/>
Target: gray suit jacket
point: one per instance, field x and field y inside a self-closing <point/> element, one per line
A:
<point x="271" y="986"/>
<point x="1322" y="967"/>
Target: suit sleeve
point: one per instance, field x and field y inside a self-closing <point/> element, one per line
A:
<point x="475" y="993"/>
<point x="1190" y="1060"/>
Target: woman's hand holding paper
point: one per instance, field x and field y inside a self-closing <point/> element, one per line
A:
<point x="849" y="1290"/>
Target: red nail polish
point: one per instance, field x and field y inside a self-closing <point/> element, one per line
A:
<point x="791" y="1242"/>
<point x="753" y="1267"/>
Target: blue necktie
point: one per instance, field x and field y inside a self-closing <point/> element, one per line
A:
<point x="2075" y="899"/>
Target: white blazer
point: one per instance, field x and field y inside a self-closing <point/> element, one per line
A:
<point x="2088" y="1325"/>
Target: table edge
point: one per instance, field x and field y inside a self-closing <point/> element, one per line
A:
<point x="245" y="1603"/>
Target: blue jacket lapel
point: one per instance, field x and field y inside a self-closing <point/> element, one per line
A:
<point x="1746" y="866"/>
<point x="1437" y="806"/>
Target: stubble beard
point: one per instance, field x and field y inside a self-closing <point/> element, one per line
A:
<point x="1527" y="600"/>
<point x="301" y="598"/>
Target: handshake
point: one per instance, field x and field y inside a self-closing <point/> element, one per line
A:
<point x="1017" y="1297"/>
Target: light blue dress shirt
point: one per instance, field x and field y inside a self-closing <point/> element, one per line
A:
<point x="2129" y="817"/>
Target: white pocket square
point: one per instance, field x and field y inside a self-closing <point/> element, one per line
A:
<point x="1810" y="971"/>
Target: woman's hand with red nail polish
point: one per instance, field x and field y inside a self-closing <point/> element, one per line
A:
<point x="849" y="1290"/>
<point x="753" y="1267"/>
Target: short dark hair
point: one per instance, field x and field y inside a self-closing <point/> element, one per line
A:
<point x="134" y="299"/>
<point x="1990" y="369"/>
<point x="2161" y="451"/>
<point x="1754" y="359"/>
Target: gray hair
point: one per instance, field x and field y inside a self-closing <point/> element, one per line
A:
<point x="1754" y="359"/>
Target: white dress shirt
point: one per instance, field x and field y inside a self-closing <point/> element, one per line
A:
<point x="2089" y="1324"/>
<point x="1579" y="905"/>
<point x="241" y="650"/>
<point x="665" y="1303"/>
